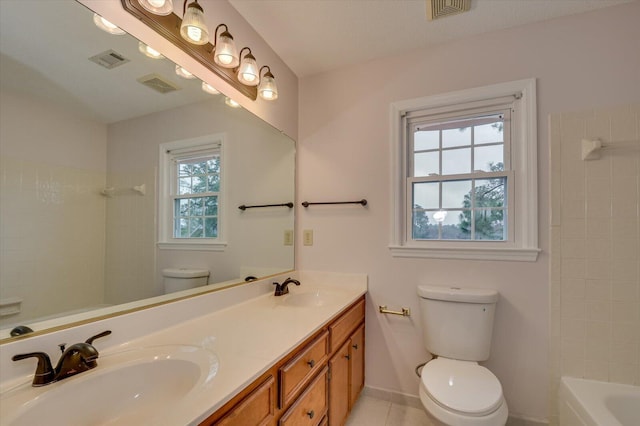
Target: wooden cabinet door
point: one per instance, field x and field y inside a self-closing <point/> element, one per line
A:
<point x="339" y="386"/>
<point x="356" y="350"/>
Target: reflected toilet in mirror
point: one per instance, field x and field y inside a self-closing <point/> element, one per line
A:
<point x="178" y="279"/>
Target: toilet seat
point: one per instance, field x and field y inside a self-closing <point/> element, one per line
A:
<point x="463" y="387"/>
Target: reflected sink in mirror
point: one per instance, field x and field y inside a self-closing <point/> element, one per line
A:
<point x="130" y="387"/>
<point x="314" y="298"/>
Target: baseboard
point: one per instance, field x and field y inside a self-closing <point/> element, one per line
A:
<point x="414" y="401"/>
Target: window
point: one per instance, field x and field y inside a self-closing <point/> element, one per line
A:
<point x="464" y="174"/>
<point x="190" y="202"/>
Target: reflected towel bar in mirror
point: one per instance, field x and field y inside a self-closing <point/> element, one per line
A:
<point x="243" y="207"/>
<point x="362" y="202"/>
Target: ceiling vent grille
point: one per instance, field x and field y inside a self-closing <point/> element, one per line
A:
<point x="441" y="8"/>
<point x="158" y="83"/>
<point x="109" y="59"/>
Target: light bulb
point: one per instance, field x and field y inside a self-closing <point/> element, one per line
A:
<point x="193" y="27"/>
<point x="157" y="7"/>
<point x="209" y="88"/>
<point x="182" y="72"/>
<point x="149" y="51"/>
<point x="194" y="33"/>
<point x="230" y="102"/>
<point x="106" y="26"/>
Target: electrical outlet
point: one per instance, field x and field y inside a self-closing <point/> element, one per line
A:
<point x="288" y="237"/>
<point x="307" y="237"/>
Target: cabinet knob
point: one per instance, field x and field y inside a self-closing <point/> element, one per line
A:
<point x="355" y="346"/>
<point x="311" y="363"/>
<point x="347" y="356"/>
<point x="310" y="413"/>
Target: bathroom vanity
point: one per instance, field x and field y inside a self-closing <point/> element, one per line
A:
<point x="315" y="384"/>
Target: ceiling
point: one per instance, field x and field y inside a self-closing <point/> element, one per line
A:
<point x="314" y="36"/>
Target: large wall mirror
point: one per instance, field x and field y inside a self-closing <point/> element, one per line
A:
<point x="80" y="154"/>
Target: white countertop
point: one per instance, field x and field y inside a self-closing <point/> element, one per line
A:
<point x="248" y="337"/>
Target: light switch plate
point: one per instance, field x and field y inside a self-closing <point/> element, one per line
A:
<point x="307" y="237"/>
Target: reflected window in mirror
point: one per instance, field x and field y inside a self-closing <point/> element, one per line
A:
<point x="191" y="198"/>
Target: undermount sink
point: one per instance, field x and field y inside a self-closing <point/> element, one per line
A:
<point x="129" y="387"/>
<point x="314" y="298"/>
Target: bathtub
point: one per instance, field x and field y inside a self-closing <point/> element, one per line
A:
<point x="591" y="403"/>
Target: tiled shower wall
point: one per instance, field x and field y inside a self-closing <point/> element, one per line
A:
<point x="595" y="234"/>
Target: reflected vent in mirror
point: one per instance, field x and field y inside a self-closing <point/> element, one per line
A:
<point x="158" y="83"/>
<point x="109" y="59"/>
<point x="441" y="8"/>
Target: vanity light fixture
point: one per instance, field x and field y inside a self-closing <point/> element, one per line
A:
<point x="225" y="53"/>
<point x="182" y="72"/>
<point x="209" y="88"/>
<point x="107" y="26"/>
<point x="193" y="27"/>
<point x="248" y="72"/>
<point x="149" y="51"/>
<point x="267" y="89"/>
<point x="158" y="7"/>
<point x="230" y="102"/>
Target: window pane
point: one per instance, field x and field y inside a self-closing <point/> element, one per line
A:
<point x="426" y="195"/>
<point x="426" y="163"/>
<point x="184" y="184"/>
<point x="211" y="206"/>
<point x="490" y="192"/>
<point x="200" y="168"/>
<point x="455" y="161"/>
<point x="198" y="184"/>
<point x="213" y="183"/>
<point x="426" y="140"/>
<point x="182" y="206"/>
<point x="453" y="226"/>
<point x="213" y="165"/>
<point x="455" y="194"/>
<point x="424" y="227"/>
<point x="489" y="224"/>
<point x="211" y="227"/>
<point x="489" y="133"/>
<point x="182" y="228"/>
<point x="196" y="227"/>
<point x="196" y="207"/>
<point x="489" y="158"/>
<point x="184" y="169"/>
<point x="456" y="137"/>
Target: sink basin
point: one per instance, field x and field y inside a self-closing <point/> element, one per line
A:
<point x="315" y="298"/>
<point x="130" y="387"/>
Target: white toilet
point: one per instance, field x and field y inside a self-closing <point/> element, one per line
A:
<point x="177" y="279"/>
<point x="454" y="389"/>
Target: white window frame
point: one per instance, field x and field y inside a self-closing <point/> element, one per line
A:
<point x="166" y="177"/>
<point x="522" y="245"/>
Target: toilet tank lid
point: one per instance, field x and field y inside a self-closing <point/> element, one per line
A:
<point x="184" y="273"/>
<point x="457" y="294"/>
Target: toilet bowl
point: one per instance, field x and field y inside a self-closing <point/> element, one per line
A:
<point x="462" y="393"/>
<point x="454" y="389"/>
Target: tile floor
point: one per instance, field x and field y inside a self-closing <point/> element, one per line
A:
<point x="370" y="411"/>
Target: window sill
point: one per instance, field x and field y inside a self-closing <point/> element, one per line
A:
<point x="194" y="246"/>
<point x="507" y="254"/>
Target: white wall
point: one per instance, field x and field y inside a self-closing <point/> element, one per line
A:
<point x="583" y="61"/>
<point x="52" y="215"/>
<point x="595" y="234"/>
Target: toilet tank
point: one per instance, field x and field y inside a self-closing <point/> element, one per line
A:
<point x="177" y="279"/>
<point x="457" y="322"/>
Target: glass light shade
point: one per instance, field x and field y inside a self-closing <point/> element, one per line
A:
<point x="157" y="7"/>
<point x="248" y="71"/>
<point x="209" y="89"/>
<point x="107" y="26"/>
<point x="182" y="72"/>
<point x="230" y="102"/>
<point x="226" y="54"/>
<point x="149" y="51"/>
<point x="268" y="89"/>
<point x="193" y="28"/>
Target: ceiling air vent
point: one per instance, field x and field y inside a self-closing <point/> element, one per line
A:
<point x="441" y="8"/>
<point x="158" y="83"/>
<point x="109" y="59"/>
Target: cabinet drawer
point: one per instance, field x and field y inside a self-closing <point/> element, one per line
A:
<point x="311" y="406"/>
<point x="296" y="373"/>
<point x="257" y="408"/>
<point x="343" y="326"/>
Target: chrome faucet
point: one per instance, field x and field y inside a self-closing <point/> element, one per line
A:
<point x="75" y="359"/>
<point x="282" y="289"/>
